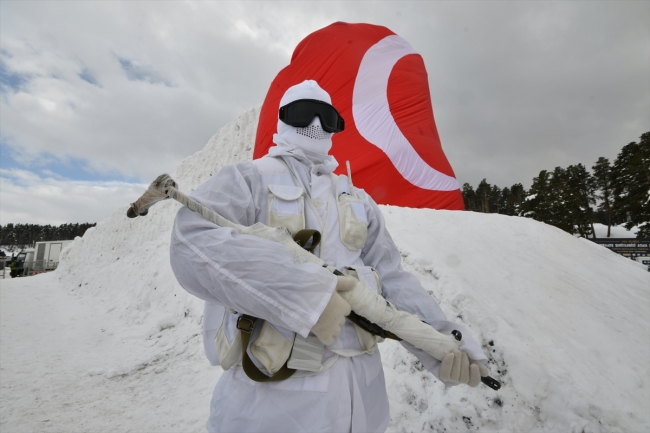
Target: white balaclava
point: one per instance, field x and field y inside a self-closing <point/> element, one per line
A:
<point x="312" y="139"/>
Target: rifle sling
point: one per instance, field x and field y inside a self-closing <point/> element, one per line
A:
<point x="303" y="236"/>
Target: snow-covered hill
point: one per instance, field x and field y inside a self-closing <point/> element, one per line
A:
<point x="566" y="324"/>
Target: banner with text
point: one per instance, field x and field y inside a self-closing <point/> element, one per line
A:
<point x="627" y="247"/>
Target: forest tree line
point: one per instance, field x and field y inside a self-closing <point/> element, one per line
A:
<point x="26" y="235"/>
<point x="571" y="198"/>
<point x="574" y="198"/>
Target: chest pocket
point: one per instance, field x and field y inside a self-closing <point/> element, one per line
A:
<point x="286" y="207"/>
<point x="353" y="221"/>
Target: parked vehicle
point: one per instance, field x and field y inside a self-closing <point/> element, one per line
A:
<point x="17" y="264"/>
<point x="45" y="256"/>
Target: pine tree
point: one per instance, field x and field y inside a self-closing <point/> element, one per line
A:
<point x="580" y="193"/>
<point x="483" y="192"/>
<point x="495" y="200"/>
<point x="504" y="201"/>
<point x="559" y="211"/>
<point x="602" y="178"/>
<point x="515" y="200"/>
<point x="630" y="178"/>
<point x="550" y="201"/>
<point x="536" y="203"/>
<point x="469" y="197"/>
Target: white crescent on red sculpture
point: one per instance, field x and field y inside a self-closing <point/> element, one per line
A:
<point x="380" y="86"/>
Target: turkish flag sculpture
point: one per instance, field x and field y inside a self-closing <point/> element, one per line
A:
<point x="379" y="85"/>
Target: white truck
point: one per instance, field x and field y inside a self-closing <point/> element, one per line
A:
<point x="46" y="256"/>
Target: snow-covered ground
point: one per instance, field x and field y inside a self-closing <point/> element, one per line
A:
<point x="111" y="342"/>
<point x="614" y="231"/>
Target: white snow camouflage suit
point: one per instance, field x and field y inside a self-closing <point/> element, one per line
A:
<point x="258" y="277"/>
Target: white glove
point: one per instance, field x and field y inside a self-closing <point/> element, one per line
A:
<point x="329" y="324"/>
<point x="367" y="303"/>
<point x="457" y="367"/>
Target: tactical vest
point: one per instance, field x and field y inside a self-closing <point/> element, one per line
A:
<point x="284" y="203"/>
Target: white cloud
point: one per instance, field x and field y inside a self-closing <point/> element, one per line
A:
<point x="195" y="78"/>
<point x="29" y="198"/>
<point x="135" y="87"/>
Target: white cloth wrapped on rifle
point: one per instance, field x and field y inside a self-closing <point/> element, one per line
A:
<point x="364" y="301"/>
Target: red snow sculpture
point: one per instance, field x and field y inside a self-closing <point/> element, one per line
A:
<point x="379" y="85"/>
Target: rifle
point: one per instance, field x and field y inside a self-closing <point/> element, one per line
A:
<point x="370" y="311"/>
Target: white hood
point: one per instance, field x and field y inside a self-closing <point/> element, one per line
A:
<point x="312" y="140"/>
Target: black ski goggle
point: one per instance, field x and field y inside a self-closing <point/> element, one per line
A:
<point x="300" y="113"/>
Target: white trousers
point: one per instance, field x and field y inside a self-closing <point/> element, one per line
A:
<point x="349" y="397"/>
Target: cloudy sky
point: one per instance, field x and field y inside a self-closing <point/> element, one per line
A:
<point x="99" y="97"/>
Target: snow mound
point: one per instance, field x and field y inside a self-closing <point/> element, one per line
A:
<point x="565" y="322"/>
<point x="127" y="260"/>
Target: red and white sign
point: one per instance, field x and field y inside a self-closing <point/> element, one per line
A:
<point x="379" y="85"/>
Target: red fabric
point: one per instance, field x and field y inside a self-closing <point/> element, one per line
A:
<point x="332" y="56"/>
